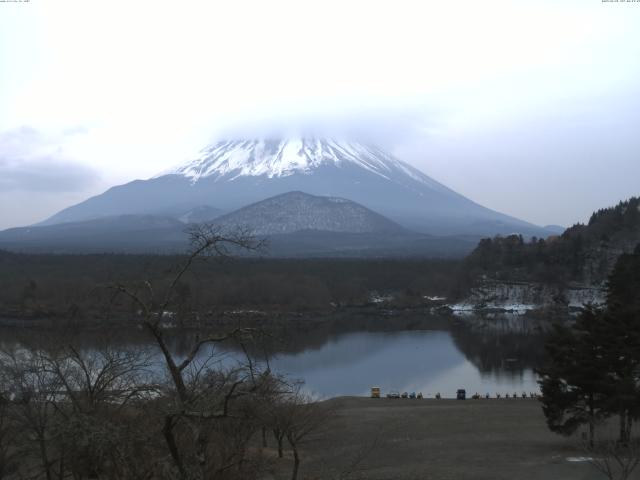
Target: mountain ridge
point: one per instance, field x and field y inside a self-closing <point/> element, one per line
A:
<point x="232" y="174"/>
<point x="295" y="224"/>
<point x="296" y="211"/>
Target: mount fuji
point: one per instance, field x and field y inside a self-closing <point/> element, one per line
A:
<point x="232" y="174"/>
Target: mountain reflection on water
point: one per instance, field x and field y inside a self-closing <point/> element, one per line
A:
<point x="484" y="355"/>
<point x="412" y="361"/>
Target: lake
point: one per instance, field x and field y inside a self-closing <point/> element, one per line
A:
<point x="411" y="361"/>
<point x="490" y="357"/>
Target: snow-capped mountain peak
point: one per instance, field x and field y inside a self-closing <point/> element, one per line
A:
<point x="232" y="174"/>
<point x="232" y="159"/>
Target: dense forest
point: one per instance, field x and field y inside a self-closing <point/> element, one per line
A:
<point x="60" y="286"/>
<point x="583" y="253"/>
<point x="64" y="286"/>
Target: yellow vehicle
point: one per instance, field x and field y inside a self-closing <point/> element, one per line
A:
<point x="375" y="392"/>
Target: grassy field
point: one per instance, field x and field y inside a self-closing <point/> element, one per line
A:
<point x="438" y="439"/>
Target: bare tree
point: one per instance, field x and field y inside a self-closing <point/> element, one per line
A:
<point x="97" y="387"/>
<point x="107" y="377"/>
<point x="8" y="453"/>
<point x="95" y="414"/>
<point x="277" y="420"/>
<point x="33" y="390"/>
<point x="297" y="416"/>
<point x="615" y="460"/>
<point x="69" y="407"/>
<point x="199" y="399"/>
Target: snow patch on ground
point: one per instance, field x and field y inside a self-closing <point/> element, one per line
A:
<point x="462" y="307"/>
<point x="513" y="307"/>
<point x="244" y="312"/>
<point x="377" y="298"/>
<point x="579" y="297"/>
<point x="520" y="297"/>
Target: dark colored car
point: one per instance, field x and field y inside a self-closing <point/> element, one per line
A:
<point x="461" y="394"/>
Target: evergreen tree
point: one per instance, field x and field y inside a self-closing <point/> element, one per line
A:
<point x="594" y="366"/>
<point x="622" y="339"/>
<point x="574" y="380"/>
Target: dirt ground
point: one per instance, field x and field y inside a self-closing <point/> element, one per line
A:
<point x="438" y="439"/>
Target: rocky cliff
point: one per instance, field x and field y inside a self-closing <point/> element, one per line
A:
<point x="520" y="297"/>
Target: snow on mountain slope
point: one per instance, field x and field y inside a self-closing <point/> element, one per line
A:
<point x="297" y="211"/>
<point x="229" y="160"/>
<point x="232" y="174"/>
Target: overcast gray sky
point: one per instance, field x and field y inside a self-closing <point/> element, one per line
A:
<point x="531" y="108"/>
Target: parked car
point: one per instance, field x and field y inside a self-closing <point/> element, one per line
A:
<point x="393" y="395"/>
<point x="461" y="394"/>
<point x="404" y="395"/>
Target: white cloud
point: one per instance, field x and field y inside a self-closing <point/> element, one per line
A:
<point x="31" y="161"/>
<point x="152" y="82"/>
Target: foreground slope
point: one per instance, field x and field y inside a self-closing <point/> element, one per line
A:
<point x="438" y="439"/>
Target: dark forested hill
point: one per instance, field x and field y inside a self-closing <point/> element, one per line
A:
<point x="583" y="253"/>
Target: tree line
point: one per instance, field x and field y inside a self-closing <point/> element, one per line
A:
<point x="580" y="254"/>
<point x="65" y="286"/>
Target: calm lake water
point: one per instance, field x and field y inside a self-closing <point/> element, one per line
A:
<point x="412" y="361"/>
<point x="426" y="361"/>
<point x="484" y="358"/>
